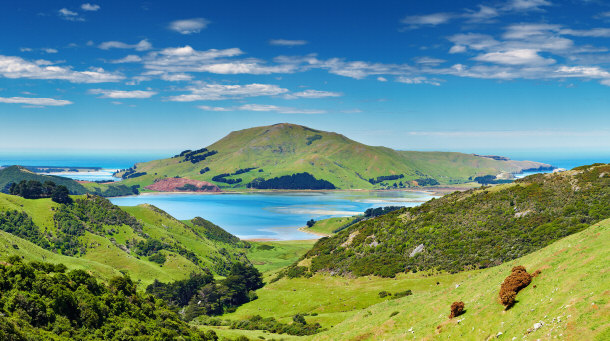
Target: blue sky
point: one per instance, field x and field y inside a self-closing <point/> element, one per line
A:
<point x="473" y="76"/>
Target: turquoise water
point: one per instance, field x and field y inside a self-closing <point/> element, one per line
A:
<point x="272" y="215"/>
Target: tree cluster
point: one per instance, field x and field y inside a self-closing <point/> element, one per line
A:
<point x="298" y="327"/>
<point x="295" y="181"/>
<point x="383" y="178"/>
<point x="33" y="189"/>
<point x="202" y="295"/>
<point x="41" y="301"/>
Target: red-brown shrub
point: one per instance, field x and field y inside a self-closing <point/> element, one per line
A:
<point x="517" y="280"/>
<point x="457" y="309"/>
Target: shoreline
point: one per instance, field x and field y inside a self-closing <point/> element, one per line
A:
<point x="438" y="191"/>
<point x="319" y="234"/>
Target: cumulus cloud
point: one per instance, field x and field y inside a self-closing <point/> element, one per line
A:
<point x="212" y="92"/>
<point x="127" y="59"/>
<point x="264" y="108"/>
<point x="434" y="19"/>
<point x="515" y="57"/>
<point x="312" y="94"/>
<point x="90" y="7"/>
<point x="209" y="108"/>
<point x="595" y="32"/>
<point x="417" y="80"/>
<point x="526" y="5"/>
<point x="16" y="67"/>
<point x="69" y="15"/>
<point x="187" y="59"/>
<point x="143" y="45"/>
<point x="35" y="101"/>
<point x="116" y="94"/>
<point x="286" y="42"/>
<point x="189" y="26"/>
<point x="176" y="77"/>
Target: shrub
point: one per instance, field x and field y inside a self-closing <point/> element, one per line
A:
<point x="457" y="309"/>
<point x="517" y="280"/>
<point x="384" y="293"/>
<point x="402" y="294"/>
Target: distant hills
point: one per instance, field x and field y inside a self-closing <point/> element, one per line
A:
<point x="16" y="174"/>
<point x="298" y="157"/>
<point x="475" y="229"/>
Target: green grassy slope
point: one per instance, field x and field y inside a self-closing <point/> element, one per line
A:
<point x="328" y="226"/>
<point x="284" y="149"/>
<point x="17" y="174"/>
<point x="571" y="298"/>
<point x="272" y="255"/>
<point x="473" y="229"/>
<point x="112" y="250"/>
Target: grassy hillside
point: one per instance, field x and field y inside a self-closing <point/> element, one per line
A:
<point x="285" y="149"/>
<point x="570" y="298"/>
<point x="467" y="230"/>
<point x="270" y="256"/>
<point x="144" y="241"/>
<point x="16" y="174"/>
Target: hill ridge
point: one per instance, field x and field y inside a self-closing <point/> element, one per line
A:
<point x="283" y="149"/>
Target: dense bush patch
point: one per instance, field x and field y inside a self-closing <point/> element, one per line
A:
<point x="478" y="228"/>
<point x="40" y="301"/>
<point x="294" y="181"/>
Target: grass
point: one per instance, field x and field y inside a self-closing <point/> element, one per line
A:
<point x="104" y="256"/>
<point x="327" y="226"/>
<point x="571" y="298"/>
<point x="273" y="255"/>
<point x="282" y="149"/>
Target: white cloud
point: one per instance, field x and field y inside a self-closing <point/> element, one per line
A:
<point x="313" y="94"/>
<point x="264" y="108"/>
<point x="286" y="42"/>
<point x="434" y="19"/>
<point x="526" y="5"/>
<point x="116" y="94"/>
<point x="595" y="32"/>
<point x="176" y="77"/>
<point x="127" y="59"/>
<point x="484" y="14"/>
<point x="189" y="26"/>
<point x="417" y="80"/>
<point x="382" y="79"/>
<point x="143" y="45"/>
<point x="583" y="71"/>
<point x="90" y="7"/>
<point x="281" y="110"/>
<point x="69" y="15"/>
<point x="211" y="92"/>
<point x="209" y="108"/>
<point x="527" y="31"/>
<point x="429" y="60"/>
<point x="515" y="57"/>
<point x="48" y="50"/>
<point x="35" y="101"/>
<point x="457" y="49"/>
<point x="16" y="67"/>
<point x="187" y="59"/>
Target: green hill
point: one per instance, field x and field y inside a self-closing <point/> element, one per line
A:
<point x="92" y="233"/>
<point x="281" y="150"/>
<point x="569" y="297"/>
<point x="478" y="228"/>
<point x="16" y="174"/>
